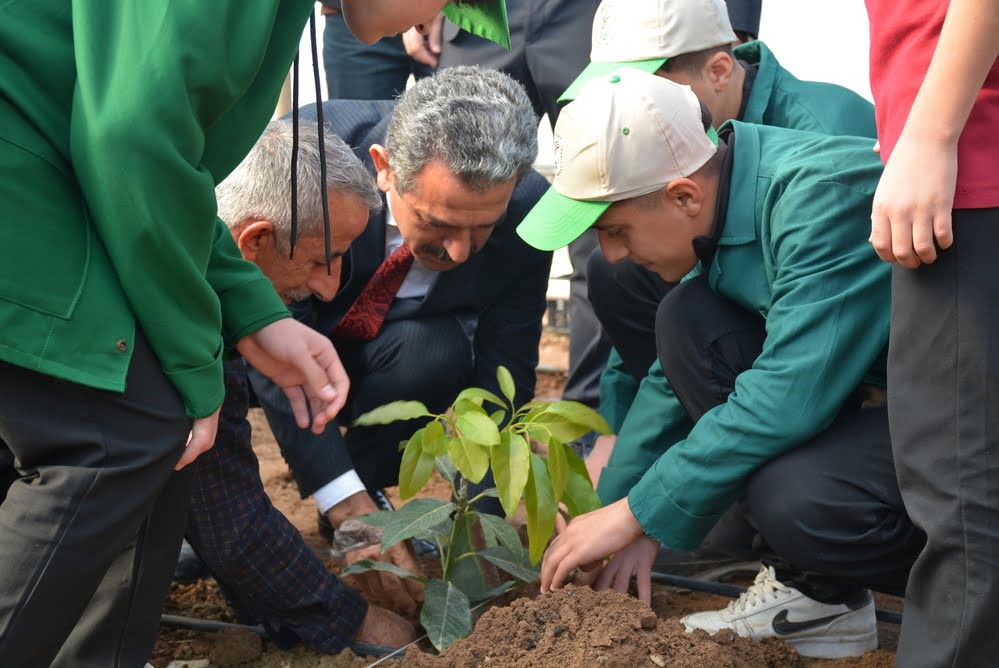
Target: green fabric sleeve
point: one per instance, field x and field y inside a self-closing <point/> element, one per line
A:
<point x="247" y="299"/>
<point x="150" y="77"/>
<point x="655" y="421"/>
<point x="826" y="326"/>
<point x="617" y="390"/>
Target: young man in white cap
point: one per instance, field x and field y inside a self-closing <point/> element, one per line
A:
<point x="774" y="354"/>
<point x="689" y="42"/>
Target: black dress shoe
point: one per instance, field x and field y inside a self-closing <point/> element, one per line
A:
<point x="189" y="567"/>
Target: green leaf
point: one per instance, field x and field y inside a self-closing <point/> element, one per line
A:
<point x="498" y="417"/>
<point x="479" y="429"/>
<point x="558" y="467"/>
<point x="579" y="414"/>
<point x="434" y="439"/>
<point x="365" y="565"/>
<point x="469" y="574"/>
<point x="547" y="425"/>
<point x="392" y="412"/>
<point x="416" y="468"/>
<point x="467" y="406"/>
<point x="478" y="395"/>
<point x="446" y="614"/>
<point x="511" y="464"/>
<point x="379" y="518"/>
<point x="579" y="497"/>
<point x="502" y="589"/>
<point x="470" y="458"/>
<point x="498" y="531"/>
<point x="503" y="559"/>
<point x="539" y="499"/>
<point x="447" y="470"/>
<point x="413" y="518"/>
<point x="506" y="383"/>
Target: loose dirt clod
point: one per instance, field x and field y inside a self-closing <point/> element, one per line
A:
<point x="577" y="626"/>
<point x="235" y="647"/>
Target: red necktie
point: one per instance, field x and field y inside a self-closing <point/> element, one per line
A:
<point x="365" y="317"/>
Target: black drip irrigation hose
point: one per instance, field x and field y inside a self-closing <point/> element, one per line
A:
<point x="733" y="591"/>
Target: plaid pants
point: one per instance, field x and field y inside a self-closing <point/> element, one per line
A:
<point x="266" y="571"/>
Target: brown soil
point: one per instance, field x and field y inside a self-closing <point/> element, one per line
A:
<point x="577" y="626"/>
<point x="203" y="600"/>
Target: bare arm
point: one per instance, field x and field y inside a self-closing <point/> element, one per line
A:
<point x="912" y="206"/>
<point x="370" y="20"/>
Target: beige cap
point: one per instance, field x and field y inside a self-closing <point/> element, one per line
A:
<point x="628" y="134"/>
<point x="646" y="33"/>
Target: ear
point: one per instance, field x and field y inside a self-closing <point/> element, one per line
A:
<point x="379" y="156"/>
<point x="254" y="237"/>
<point x="718" y="71"/>
<point x="685" y="194"/>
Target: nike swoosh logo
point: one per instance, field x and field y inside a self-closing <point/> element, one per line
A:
<point x="783" y="627"/>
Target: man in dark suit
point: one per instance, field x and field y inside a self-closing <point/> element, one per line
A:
<point x="453" y="158"/>
<point x="550" y="46"/>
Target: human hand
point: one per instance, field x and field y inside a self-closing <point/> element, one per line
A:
<point x="201" y="439"/>
<point x="403" y="593"/>
<point x="597" y="460"/>
<point x="304" y="364"/>
<point x="911" y="215"/>
<point x="634" y="560"/>
<point x="425" y="48"/>
<point x="385" y="628"/>
<point x="587" y="540"/>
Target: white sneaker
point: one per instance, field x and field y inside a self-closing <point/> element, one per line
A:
<point x="770" y="609"/>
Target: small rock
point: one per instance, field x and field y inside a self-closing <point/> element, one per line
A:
<point x="658" y="660"/>
<point x="235" y="646"/>
<point x="649" y="621"/>
<point x="193" y="663"/>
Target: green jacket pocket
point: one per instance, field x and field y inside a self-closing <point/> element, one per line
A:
<point x="45" y="238"/>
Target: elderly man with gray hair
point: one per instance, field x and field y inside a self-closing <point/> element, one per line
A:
<point x="267" y="572"/>
<point x="438" y="291"/>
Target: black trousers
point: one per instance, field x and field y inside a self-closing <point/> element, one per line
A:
<point x="829" y="512"/>
<point x="625" y="297"/>
<point x="943" y="379"/>
<point x="358" y="71"/>
<point x="428" y="360"/>
<point x="91" y="524"/>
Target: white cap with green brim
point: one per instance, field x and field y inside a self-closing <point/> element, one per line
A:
<point x="626" y="135"/>
<point x="644" y="34"/>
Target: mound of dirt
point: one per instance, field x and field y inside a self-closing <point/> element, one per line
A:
<point x="577" y="626"/>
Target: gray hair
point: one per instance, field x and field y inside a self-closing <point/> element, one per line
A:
<point x="259" y="188"/>
<point x="478" y="122"/>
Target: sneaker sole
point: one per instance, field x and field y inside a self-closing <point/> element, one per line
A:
<point x="834" y="648"/>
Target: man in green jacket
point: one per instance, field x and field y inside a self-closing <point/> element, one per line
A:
<point x="120" y="291"/>
<point x="689" y="42"/>
<point x="774" y="356"/>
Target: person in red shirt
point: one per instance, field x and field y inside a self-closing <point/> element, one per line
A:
<point x="935" y="79"/>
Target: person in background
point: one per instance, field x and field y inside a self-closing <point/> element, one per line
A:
<point x="744" y="15"/>
<point x="358" y="71"/>
<point x="773" y="347"/>
<point x="935" y="80"/>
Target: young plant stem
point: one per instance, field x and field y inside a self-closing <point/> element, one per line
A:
<point x="462" y="508"/>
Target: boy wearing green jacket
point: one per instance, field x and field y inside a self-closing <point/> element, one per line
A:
<point x="689" y="42"/>
<point x="773" y="355"/>
<point x="120" y="291"/>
